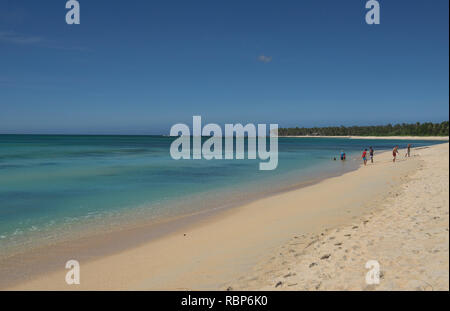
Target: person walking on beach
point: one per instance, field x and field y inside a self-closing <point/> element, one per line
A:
<point x="408" y="153"/>
<point x="371" y="154"/>
<point x="364" y="157"/>
<point x="394" y="153"/>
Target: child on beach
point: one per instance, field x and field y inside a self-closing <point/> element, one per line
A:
<point x="371" y="154"/>
<point x="364" y="156"/>
<point x="394" y="153"/>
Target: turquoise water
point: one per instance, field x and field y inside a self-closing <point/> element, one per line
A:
<point x="55" y="186"/>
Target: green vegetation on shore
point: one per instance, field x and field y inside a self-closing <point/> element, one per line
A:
<point x="415" y="129"/>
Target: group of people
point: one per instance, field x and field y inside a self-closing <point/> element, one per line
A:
<point x="364" y="155"/>
<point x="395" y="152"/>
<point x="371" y="152"/>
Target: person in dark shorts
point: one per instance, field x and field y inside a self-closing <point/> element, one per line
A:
<point x="371" y="154"/>
<point x="408" y="152"/>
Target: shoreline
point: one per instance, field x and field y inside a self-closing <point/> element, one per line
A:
<point x="103" y="243"/>
<point x="215" y="251"/>
<point x="437" y="138"/>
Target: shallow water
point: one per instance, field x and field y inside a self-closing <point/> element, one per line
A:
<point x="53" y="186"/>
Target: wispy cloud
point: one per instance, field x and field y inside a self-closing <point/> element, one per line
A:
<point x="265" y="59"/>
<point x="12" y="37"/>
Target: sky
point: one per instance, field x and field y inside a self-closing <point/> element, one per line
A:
<point x="139" y="67"/>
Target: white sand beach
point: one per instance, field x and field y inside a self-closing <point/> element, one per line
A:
<point x="407" y="234"/>
<point x="314" y="238"/>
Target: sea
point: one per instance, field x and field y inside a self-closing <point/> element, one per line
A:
<point x="56" y="187"/>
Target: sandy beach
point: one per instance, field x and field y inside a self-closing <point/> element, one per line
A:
<point x="314" y="238"/>
<point x="407" y="235"/>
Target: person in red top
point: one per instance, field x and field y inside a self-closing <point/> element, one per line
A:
<point x="394" y="153"/>
<point x="364" y="156"/>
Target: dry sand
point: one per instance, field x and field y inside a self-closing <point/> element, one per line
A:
<point x="394" y="213"/>
<point x="408" y="236"/>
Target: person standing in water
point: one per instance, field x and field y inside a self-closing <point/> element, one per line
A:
<point x="342" y="155"/>
<point x="394" y="153"/>
<point x="364" y="156"/>
<point x="371" y="154"/>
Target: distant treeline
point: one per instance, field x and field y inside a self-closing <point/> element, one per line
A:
<point x="415" y="129"/>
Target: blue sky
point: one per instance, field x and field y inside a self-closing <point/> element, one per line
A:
<point x="138" y="67"/>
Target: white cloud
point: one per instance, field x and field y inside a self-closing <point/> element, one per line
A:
<point x="265" y="59"/>
<point x="12" y="37"/>
<point x="15" y="38"/>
